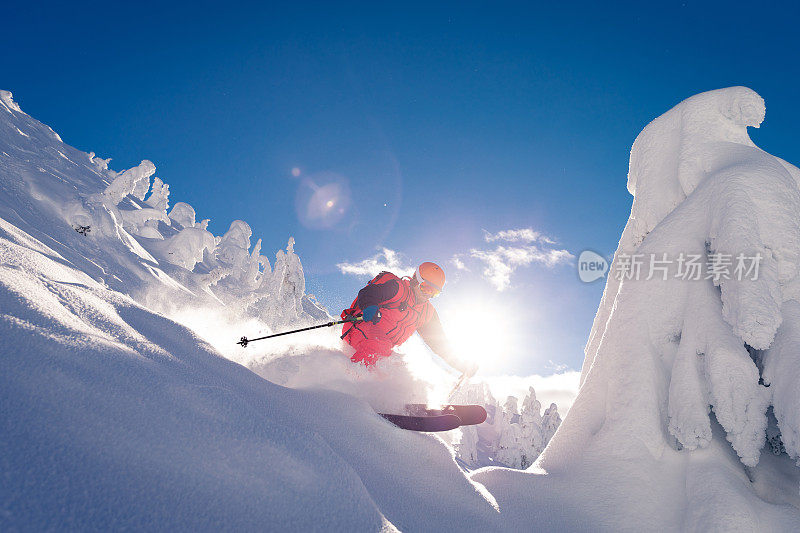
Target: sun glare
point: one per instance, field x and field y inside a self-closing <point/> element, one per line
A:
<point x="477" y="332"/>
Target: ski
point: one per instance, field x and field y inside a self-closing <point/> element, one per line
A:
<point x="469" y="415"/>
<point x="443" y="422"/>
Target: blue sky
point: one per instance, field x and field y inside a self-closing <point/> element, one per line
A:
<point x="443" y="122"/>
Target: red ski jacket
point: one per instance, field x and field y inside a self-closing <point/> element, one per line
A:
<point x="401" y="315"/>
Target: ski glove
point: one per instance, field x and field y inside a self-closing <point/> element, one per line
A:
<point x="372" y="314"/>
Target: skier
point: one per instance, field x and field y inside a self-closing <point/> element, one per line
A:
<point x="393" y="308"/>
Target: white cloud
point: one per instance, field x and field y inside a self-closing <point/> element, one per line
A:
<point x="458" y="263"/>
<point x="503" y="261"/>
<point x="517" y="235"/>
<point x="496" y="265"/>
<point x="560" y="389"/>
<point x="386" y="259"/>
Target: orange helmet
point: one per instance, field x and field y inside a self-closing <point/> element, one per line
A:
<point x="430" y="277"/>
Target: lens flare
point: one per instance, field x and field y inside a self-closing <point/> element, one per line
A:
<point x="323" y="200"/>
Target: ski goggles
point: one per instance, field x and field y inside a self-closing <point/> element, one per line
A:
<point x="426" y="287"/>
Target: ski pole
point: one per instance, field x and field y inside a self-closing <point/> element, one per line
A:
<point x="244" y="341"/>
<point x="456" y="386"/>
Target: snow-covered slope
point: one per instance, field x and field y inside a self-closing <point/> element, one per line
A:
<point x="680" y="373"/>
<point x="113" y="416"/>
<point x="118" y="410"/>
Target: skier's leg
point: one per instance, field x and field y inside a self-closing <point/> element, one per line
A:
<point x="369" y="351"/>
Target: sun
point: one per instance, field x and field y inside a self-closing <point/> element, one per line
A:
<point x="477" y="332"/>
<point x="477" y="329"/>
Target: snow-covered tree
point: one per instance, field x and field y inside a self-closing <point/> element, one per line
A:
<point x="467" y="445"/>
<point x="532" y="439"/>
<point x="509" y="450"/>
<point x="232" y="251"/>
<point x="130" y="182"/>
<point x="100" y="163"/>
<point x="159" y="195"/>
<point x="143" y="222"/>
<point x="508" y="437"/>
<point x="550" y="422"/>
<point x="286" y="286"/>
<point x="183" y="214"/>
<point x="678" y="362"/>
<point x="187" y="247"/>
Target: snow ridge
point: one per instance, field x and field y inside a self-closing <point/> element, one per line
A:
<point x="149" y="249"/>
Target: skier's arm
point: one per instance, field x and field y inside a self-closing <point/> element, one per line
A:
<point x="377" y="293"/>
<point x="433" y="335"/>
